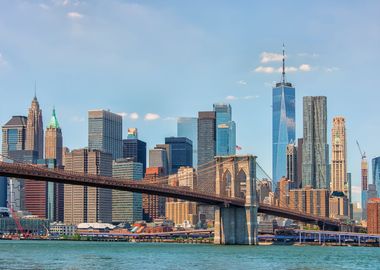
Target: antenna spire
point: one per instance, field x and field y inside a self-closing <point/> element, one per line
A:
<point x="35" y="90"/>
<point x="283" y="63"/>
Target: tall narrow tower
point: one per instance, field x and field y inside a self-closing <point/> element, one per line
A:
<point x="34" y="129"/>
<point x="339" y="156"/>
<point x="53" y="140"/>
<point x="283" y="123"/>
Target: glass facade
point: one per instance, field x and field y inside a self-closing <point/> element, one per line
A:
<point x="283" y="126"/>
<point x="14" y="134"/>
<point x="3" y="191"/>
<point x="188" y="127"/>
<point x="225" y="130"/>
<point x="136" y="149"/>
<point x="376" y="174"/>
<point x="315" y="152"/>
<point x="181" y="152"/>
<point x="206" y="137"/>
<point x="105" y="132"/>
<point x="126" y="206"/>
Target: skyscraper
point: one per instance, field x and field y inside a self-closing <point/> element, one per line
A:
<point x="339" y="156"/>
<point x="364" y="185"/>
<point x="105" y="132"/>
<point x="53" y="140"/>
<point x="126" y="206"/>
<point x="14" y="135"/>
<point x="225" y="130"/>
<point x="283" y="123"/>
<point x="315" y="148"/>
<point x="299" y="162"/>
<point x="158" y="158"/>
<point x="291" y="165"/>
<point x="153" y="205"/>
<point x="35" y="129"/>
<point x="188" y="127"/>
<point x="206" y="137"/>
<point x="135" y="148"/>
<point x="376" y="174"/>
<point x="181" y="152"/>
<point x="82" y="203"/>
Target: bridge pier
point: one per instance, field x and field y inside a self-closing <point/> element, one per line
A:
<point x="236" y="225"/>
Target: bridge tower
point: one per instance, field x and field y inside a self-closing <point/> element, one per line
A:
<point x="236" y="177"/>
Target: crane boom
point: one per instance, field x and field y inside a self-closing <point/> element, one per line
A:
<point x="360" y="150"/>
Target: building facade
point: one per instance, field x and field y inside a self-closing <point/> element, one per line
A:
<point x="291" y="165"/>
<point x="315" y="155"/>
<point x="54" y="140"/>
<point x="35" y="129"/>
<point x="188" y="127"/>
<point x="153" y="205"/>
<point x="181" y="152"/>
<point x="225" y="130"/>
<point x="14" y="135"/>
<point x="82" y="203"/>
<point x="339" y="156"/>
<point x="136" y="149"/>
<point x="373" y="212"/>
<point x="158" y="158"/>
<point x="364" y="185"/>
<point x="126" y="206"/>
<point x="310" y="201"/>
<point x="283" y="126"/>
<point x="376" y="174"/>
<point x="105" y="132"/>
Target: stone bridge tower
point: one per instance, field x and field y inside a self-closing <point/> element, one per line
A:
<point x="236" y="177"/>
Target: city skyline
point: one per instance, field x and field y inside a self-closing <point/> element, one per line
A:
<point x="239" y="85"/>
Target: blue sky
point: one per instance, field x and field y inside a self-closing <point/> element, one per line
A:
<point x="156" y="60"/>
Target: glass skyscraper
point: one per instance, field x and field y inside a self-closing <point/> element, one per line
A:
<point x="283" y="126"/>
<point x="105" y="132"/>
<point x="14" y="134"/>
<point x="181" y="152"/>
<point x="188" y="127"/>
<point x="225" y="130"/>
<point x="376" y="174"/>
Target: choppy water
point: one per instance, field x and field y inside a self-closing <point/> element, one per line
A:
<point x="113" y="255"/>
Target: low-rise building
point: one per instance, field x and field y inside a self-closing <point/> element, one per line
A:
<point x="58" y="228"/>
<point x="373" y="216"/>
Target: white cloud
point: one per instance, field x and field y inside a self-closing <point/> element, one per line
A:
<point x="288" y="69"/>
<point x="133" y="116"/>
<point x="266" y="57"/>
<point x="151" y="116"/>
<point x="250" y="97"/>
<point x="242" y="82"/>
<point x="331" y="69"/>
<point x="305" y="68"/>
<point x="231" y="98"/>
<point x="74" y="15"/>
<point x="261" y="69"/>
<point x="122" y="114"/>
<point x="356" y="189"/>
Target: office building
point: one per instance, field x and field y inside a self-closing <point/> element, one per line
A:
<point x="339" y="156"/>
<point x="14" y="135"/>
<point x="376" y="174"/>
<point x="188" y="127"/>
<point x="373" y="212"/>
<point x="105" y="132"/>
<point x="299" y="162"/>
<point x="225" y="130"/>
<point x="310" y="201"/>
<point x="82" y="203"/>
<point x="158" y="158"/>
<point x="283" y="123"/>
<point x="291" y="165"/>
<point x="35" y="129"/>
<point x="126" y="206"/>
<point x="153" y="205"/>
<point x="181" y="152"/>
<point x="53" y="140"/>
<point x="315" y="155"/>
<point x="339" y="206"/>
<point x="135" y="148"/>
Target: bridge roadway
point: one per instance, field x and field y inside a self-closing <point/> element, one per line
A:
<point x="38" y="173"/>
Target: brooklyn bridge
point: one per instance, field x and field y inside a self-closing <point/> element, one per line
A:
<point x="228" y="183"/>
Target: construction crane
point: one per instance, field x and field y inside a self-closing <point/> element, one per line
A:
<point x="360" y="150"/>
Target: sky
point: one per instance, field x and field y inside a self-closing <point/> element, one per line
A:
<point x="154" y="61"/>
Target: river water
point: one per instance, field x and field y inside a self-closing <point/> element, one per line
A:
<point x="122" y="255"/>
